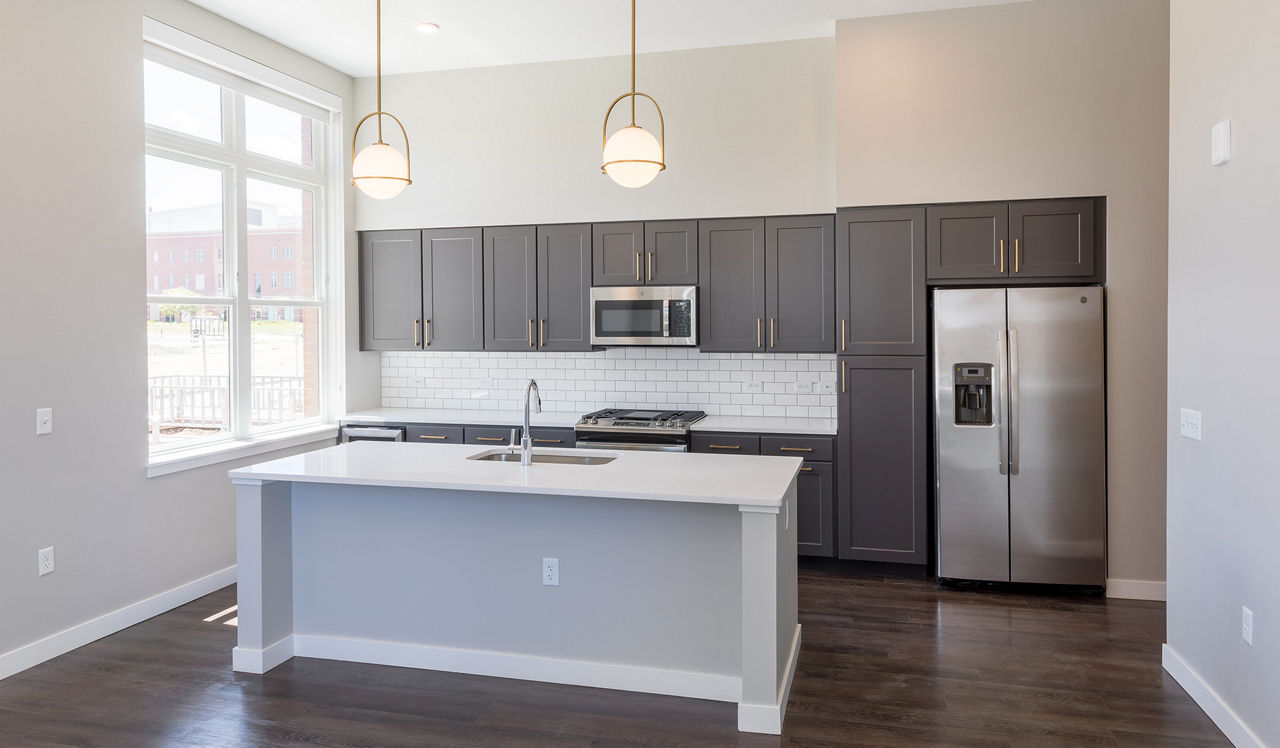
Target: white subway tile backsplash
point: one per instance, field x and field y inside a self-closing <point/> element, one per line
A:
<point x="635" y="377"/>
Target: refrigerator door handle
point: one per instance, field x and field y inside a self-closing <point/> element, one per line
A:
<point x="1002" y="403"/>
<point x="1013" y="401"/>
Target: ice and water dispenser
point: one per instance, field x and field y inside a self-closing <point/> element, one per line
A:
<point x="972" y="386"/>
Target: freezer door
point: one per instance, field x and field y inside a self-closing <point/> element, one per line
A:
<point x="972" y="496"/>
<point x="1057" y="482"/>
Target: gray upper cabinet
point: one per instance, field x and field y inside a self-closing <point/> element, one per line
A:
<point x="881" y="507"/>
<point x="390" y="290"/>
<point x="969" y="241"/>
<point x="510" y="288"/>
<point x="671" y="253"/>
<point x="1052" y="238"/>
<point x="452" y="290"/>
<point x="731" y="267"/>
<point x="800" y="284"/>
<point x="618" y="254"/>
<point x="881" y="298"/>
<point x="564" y="282"/>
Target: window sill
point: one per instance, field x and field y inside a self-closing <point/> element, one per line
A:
<point x="195" y="457"/>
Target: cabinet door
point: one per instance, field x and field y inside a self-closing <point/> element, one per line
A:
<point x="510" y="288"/>
<point x="731" y="292"/>
<point x="545" y="436"/>
<point x="390" y="290"/>
<point x="882" y="486"/>
<point x="814" y="491"/>
<point x="434" y="434"/>
<point x="881" y="301"/>
<point x="671" y="253"/>
<point x="452" y="290"/>
<point x="617" y="250"/>
<point x="800" y="284"/>
<point x="564" y="287"/>
<point x="1052" y="238"/>
<point x="969" y="241"/>
<point x="726" y="444"/>
<point x="490" y="436"/>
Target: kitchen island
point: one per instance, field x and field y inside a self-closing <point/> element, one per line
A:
<point x="676" y="573"/>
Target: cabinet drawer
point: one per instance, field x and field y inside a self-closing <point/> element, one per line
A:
<point x="434" y="434"/>
<point x="809" y="447"/>
<point x="490" y="435"/>
<point x="730" y="444"/>
<point x="552" y="437"/>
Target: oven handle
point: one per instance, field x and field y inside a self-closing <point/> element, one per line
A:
<point x="633" y="446"/>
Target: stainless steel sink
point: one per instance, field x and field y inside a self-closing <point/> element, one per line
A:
<point x="552" y="459"/>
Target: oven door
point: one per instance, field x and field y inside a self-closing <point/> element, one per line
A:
<point x="645" y="442"/>
<point x="643" y="315"/>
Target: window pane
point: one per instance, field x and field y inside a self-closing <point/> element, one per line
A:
<point x="285" y="365"/>
<point x="281" y="227"/>
<point x="184" y="229"/>
<point x="188" y="373"/>
<point x="277" y="132"/>
<point x="182" y="102"/>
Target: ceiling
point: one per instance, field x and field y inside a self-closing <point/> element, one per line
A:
<point x="482" y="33"/>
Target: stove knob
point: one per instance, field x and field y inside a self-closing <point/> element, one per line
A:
<point x="594" y="421"/>
<point x="677" y="423"/>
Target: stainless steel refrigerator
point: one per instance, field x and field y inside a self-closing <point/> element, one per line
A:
<point x="1020" y="430"/>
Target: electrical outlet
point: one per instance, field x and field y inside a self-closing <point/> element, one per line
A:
<point x="1246" y="625"/>
<point x="753" y="387"/>
<point x="44" y="421"/>
<point x="826" y="388"/>
<point x="44" y="561"/>
<point x="551" y="572"/>
<point x="1189" y="424"/>
<point x="419" y="381"/>
<point x="804" y="388"/>
<point x="485" y="383"/>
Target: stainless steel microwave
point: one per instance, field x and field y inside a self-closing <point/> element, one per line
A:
<point x="644" y="315"/>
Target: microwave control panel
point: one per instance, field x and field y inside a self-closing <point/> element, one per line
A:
<point x="681" y="317"/>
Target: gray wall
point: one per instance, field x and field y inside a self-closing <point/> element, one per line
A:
<point x="749" y="132"/>
<point x="73" y="338"/>
<point x="1223" y="261"/>
<point x="1039" y="99"/>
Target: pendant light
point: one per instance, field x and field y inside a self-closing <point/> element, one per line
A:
<point x="379" y="170"/>
<point x="632" y="156"/>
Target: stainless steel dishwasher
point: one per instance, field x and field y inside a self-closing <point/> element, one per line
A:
<point x="372" y="434"/>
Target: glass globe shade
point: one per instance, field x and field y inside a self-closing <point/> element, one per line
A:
<point x="380" y="171"/>
<point x="630" y="143"/>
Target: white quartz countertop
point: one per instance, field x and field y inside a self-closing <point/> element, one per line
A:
<point x="560" y="419"/>
<point x="652" y="476"/>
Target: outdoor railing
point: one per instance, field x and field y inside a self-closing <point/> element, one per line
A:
<point x="203" y="401"/>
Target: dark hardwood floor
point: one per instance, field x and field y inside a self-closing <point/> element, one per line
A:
<point x="886" y="661"/>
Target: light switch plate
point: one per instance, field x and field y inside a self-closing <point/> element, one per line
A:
<point x="44" y="421"/>
<point x="1189" y="424"/>
<point x="1220" y="143"/>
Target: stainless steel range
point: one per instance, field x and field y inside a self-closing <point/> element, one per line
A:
<point x="651" y="430"/>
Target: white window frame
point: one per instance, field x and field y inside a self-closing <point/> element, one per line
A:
<point x="179" y="50"/>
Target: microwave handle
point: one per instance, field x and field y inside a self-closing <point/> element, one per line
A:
<point x="666" y="319"/>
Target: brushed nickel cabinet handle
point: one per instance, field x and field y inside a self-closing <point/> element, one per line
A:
<point x="530" y="333"/>
<point x="548" y="441"/>
<point x="431" y="436"/>
<point x="416" y="323"/>
<point x="796" y="449"/>
<point x="1002" y="255"/>
<point x="489" y="438"/>
<point x="724" y="446"/>
<point x="426" y="333"/>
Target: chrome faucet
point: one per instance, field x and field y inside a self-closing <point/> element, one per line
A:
<point x="526" y="442"/>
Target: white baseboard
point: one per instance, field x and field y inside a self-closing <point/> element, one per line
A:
<point x="1136" y="589"/>
<point x="767" y="718"/>
<point x="30" y="655"/>
<point x="1207" y="699"/>
<point x="521" y="667"/>
<point x="259" y="661"/>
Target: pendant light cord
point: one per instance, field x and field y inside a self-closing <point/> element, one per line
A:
<point x="633" y="62"/>
<point x="379" y="47"/>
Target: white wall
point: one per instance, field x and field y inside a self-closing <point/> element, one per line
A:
<point x="73" y="334"/>
<point x="1223" y="308"/>
<point x="1054" y="98"/>
<point x="749" y="132"/>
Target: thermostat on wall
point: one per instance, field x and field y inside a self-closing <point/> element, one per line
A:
<point x="1220" y="143"/>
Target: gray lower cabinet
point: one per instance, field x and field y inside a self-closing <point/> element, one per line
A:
<point x="489" y="436"/>
<point x="883" y="443"/>
<point x="799" y="273"/>
<point x="881" y="295"/>
<point x="564" y="286"/>
<point x="731" y="269"/>
<point x="671" y="253"/>
<point x="1052" y="238"/>
<point x="510" y="288"/>
<point x="452" y="290"/>
<point x="815" y="485"/>
<point x="617" y="254"/>
<point x="390" y="290"/>
<point x="546" y="436"/>
<point x="433" y="434"/>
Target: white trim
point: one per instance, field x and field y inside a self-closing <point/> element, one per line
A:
<point x="224" y="451"/>
<point x="259" y="661"/>
<point x="1136" y="589"/>
<point x="522" y="667"/>
<point x="30" y="655"/>
<point x="768" y="718"/>
<point x="1207" y="699"/>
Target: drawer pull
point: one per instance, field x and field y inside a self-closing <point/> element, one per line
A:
<point x="548" y="441"/>
<point x="796" y="449"/>
<point x="806" y="470"/>
<point x="489" y="439"/>
<point x="431" y="436"/>
<point x="724" y="446"/>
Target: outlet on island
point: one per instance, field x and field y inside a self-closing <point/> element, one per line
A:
<point x="551" y="572"/>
